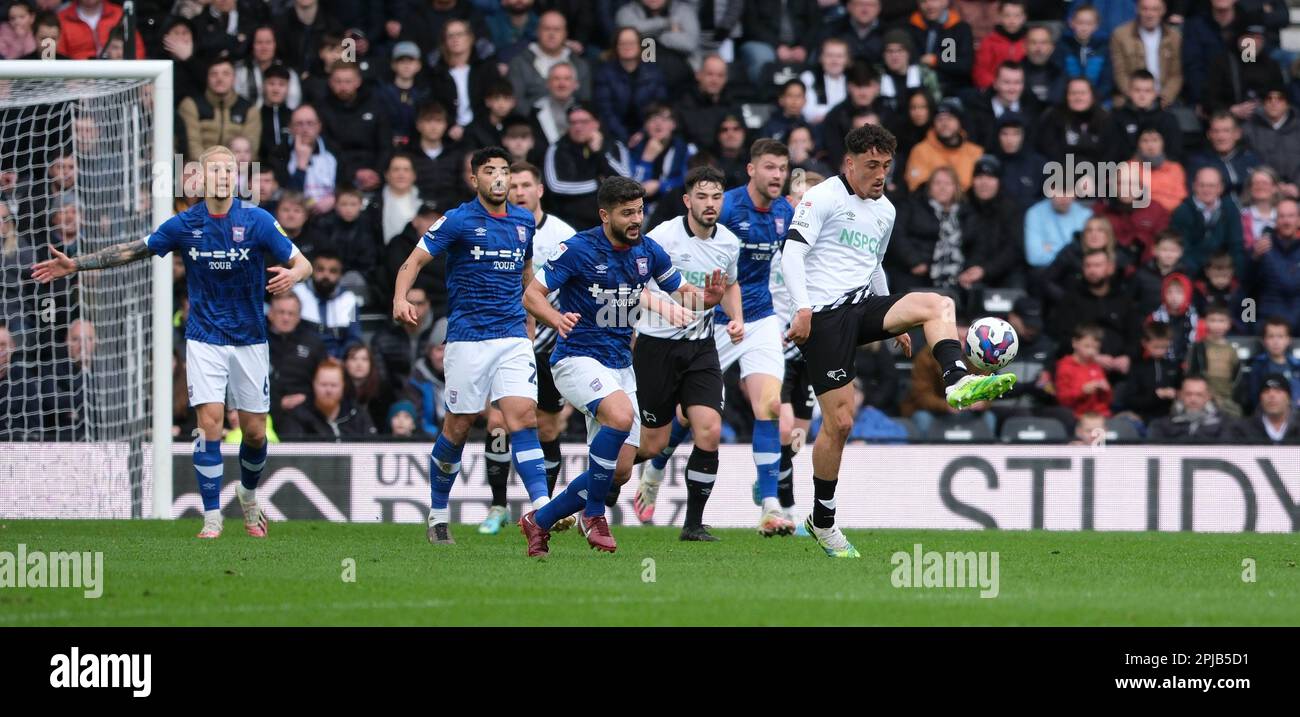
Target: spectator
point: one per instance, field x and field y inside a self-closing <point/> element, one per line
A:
<point x="775" y="31"/>
<point x="250" y="74"/>
<point x="1216" y="360"/>
<point x="269" y="192"/>
<point x="901" y="75"/>
<point x="996" y="220"/>
<point x="1179" y="312"/>
<point x="1081" y="383"/>
<point x="1153" y="383"/>
<point x="48" y="29"/>
<point x="16" y="36"/>
<point x="930" y="246"/>
<point x="944" y="145"/>
<point x="402" y="423"/>
<point x="352" y="231"/>
<point x="925" y="400"/>
<point x="1022" y="167"/>
<point x="1090" y="430"/>
<point x="405" y="93"/>
<point x="1272" y="423"/>
<point x="729" y="153"/>
<point x="428" y="381"/>
<point x="64" y="399"/>
<point x="577" y="163"/>
<point x="1273" y="131"/>
<point x="1085" y="53"/>
<point x="1051" y="223"/>
<point x="913" y="123"/>
<point x="226" y="32"/>
<point x="488" y="128"/>
<point x="790" y="105"/>
<point x="1007" y="94"/>
<point x="85" y="27"/>
<point x="219" y="114"/>
<point x="1220" y="285"/>
<point x="802" y="152"/>
<point x="1237" y="84"/>
<point x="1141" y="112"/>
<point x="675" y="28"/>
<point x="291" y="213"/>
<point x="1208" y="222"/>
<point x="400" y="198"/>
<point x="397" y="344"/>
<point x="1273" y="277"/>
<point x="1205" y="37"/>
<point x="826" y="85"/>
<point x="310" y="167"/>
<point x="299" y="32"/>
<point x="861" y="30"/>
<point x="518" y="139"/>
<point x="511" y="30"/>
<point x="328" y="308"/>
<point x="1044" y="78"/>
<point x="1148" y="43"/>
<point x="1134" y="218"/>
<point x="625" y="85"/>
<point x="531" y="67"/>
<point x="550" y="113"/>
<point x="704" y="105"/>
<point x="369" y="390"/>
<point x="295" y="351"/>
<point x="1259" y="209"/>
<point x="937" y="29"/>
<point x="1149" y="279"/>
<point x="659" y="160"/>
<point x="1100" y="300"/>
<point x="436" y="163"/>
<point x="1194" y="419"/>
<point x="433" y="278"/>
<point x="1167" y="182"/>
<point x="331" y="415"/>
<point x="1078" y="131"/>
<point x="356" y="125"/>
<point x="1226" y="153"/>
<point x="315" y="79"/>
<point x="1276" y="359"/>
<point x="864" y="94"/>
<point x="459" y="80"/>
<point x="277" y="122"/>
<point x="1005" y="43"/>
<point x="1033" y="393"/>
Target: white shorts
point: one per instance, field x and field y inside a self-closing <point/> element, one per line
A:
<point x="482" y="371"/>
<point x="582" y="380"/>
<point x="761" y="351"/>
<point x="237" y="376"/>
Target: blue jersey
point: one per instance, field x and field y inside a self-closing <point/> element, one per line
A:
<point x="761" y="233"/>
<point x="486" y="257"/>
<point x="225" y="268"/>
<point x="603" y="286"/>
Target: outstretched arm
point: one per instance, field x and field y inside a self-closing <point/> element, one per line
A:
<point x="403" y="311"/>
<point x="698" y="298"/>
<point x="63" y="265"/>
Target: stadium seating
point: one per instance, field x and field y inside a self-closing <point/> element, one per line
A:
<point x="1023" y="429"/>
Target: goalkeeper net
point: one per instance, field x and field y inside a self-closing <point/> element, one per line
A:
<point x="77" y="162"/>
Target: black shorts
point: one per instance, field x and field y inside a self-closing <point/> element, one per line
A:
<point x="671" y="372"/>
<point x="832" y="345"/>
<point x="549" y="399"/>
<point x="796" y="390"/>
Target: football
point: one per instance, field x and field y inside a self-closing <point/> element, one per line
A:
<point x="991" y="344"/>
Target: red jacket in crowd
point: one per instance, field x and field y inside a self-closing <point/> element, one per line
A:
<point x="78" y="42"/>
<point x="994" y="49"/>
<point x="1071" y="376"/>
<point x="1135" y="228"/>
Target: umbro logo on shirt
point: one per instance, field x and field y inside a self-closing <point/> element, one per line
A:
<point x="481" y="231"/>
<point x="196" y="233"/>
<point x="600" y="268"/>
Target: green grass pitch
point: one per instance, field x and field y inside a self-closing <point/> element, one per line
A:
<point x="157" y="573"/>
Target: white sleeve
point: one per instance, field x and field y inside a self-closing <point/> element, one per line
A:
<point x="809" y="217"/>
<point x="796" y="282"/>
<point x="879" y="283"/>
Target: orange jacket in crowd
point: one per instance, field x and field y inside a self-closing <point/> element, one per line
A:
<point x="76" y="40"/>
<point x="931" y="154"/>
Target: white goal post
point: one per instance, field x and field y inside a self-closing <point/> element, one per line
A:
<point x="158" y="73"/>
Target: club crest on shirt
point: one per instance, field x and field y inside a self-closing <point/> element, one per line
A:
<point x="642" y="265"/>
<point x="523" y="234"/>
<point x="237" y="233"/>
<point x="451" y="396"/>
<point x="595" y="384"/>
<point x="780" y="224"/>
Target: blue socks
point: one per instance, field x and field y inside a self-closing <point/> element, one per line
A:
<point x="566" y="503"/>
<point x="207" y="470"/>
<point x="767" y="456"/>
<point x="251" y="463"/>
<point x="530" y="462"/>
<point x="444" y="464"/>
<point x="604" y="452"/>
<point x="676" y="435"/>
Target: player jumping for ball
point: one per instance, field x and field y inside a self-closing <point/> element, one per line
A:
<point x="600" y="273"/>
<point x="489" y="247"/>
<point x="832" y="263"/>
<point x="224" y="242"/>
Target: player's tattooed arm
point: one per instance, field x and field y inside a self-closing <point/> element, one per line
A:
<point x="403" y="310"/>
<point x="62" y="265"/>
